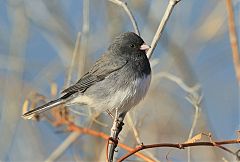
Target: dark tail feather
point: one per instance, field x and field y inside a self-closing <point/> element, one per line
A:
<point x="40" y="109"/>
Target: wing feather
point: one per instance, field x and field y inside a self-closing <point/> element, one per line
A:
<point x="102" y="68"/>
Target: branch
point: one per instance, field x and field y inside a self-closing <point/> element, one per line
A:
<point x="73" y="127"/>
<point x="191" y="90"/>
<point x="132" y="126"/>
<point x="129" y="13"/>
<point x="182" y="146"/>
<point x="161" y="26"/>
<point x="195" y="100"/>
<point x="83" y="130"/>
<point x="74" y="55"/>
<point x="116" y="129"/>
<point x="233" y="39"/>
<point x="137" y="136"/>
<point x="84" y="40"/>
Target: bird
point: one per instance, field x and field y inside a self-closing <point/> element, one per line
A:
<point x="118" y="80"/>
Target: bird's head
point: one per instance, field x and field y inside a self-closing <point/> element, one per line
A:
<point x="129" y="44"/>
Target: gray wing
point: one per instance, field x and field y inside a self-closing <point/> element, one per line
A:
<point x="101" y="69"/>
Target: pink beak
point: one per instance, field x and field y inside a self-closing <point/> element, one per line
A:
<point x="144" y="47"/>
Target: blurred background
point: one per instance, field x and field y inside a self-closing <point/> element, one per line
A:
<point x="193" y="58"/>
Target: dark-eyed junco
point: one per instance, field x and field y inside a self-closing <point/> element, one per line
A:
<point x="118" y="80"/>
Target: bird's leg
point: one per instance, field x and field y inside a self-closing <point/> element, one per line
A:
<point x="116" y="129"/>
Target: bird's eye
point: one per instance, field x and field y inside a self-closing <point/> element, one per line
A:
<point x="132" y="45"/>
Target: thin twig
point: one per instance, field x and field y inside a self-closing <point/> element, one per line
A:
<point x="179" y="82"/>
<point x="181" y="146"/>
<point x="75" y="52"/>
<point x="116" y="129"/>
<point x="129" y="13"/>
<point x="161" y="26"/>
<point x="137" y="137"/>
<point x="84" y="41"/>
<point x="134" y="129"/>
<point x="195" y="100"/>
<point x="233" y="39"/>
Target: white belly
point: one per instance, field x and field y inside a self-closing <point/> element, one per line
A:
<point x="123" y="99"/>
<point x="130" y="97"/>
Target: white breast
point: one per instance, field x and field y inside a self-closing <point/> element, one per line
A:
<point x="131" y="96"/>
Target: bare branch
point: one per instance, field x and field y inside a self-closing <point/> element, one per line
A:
<point x="161" y="26"/>
<point x="129" y="13"/>
<point x="84" y="41"/>
<point x="134" y="129"/>
<point x="191" y="90"/>
<point x="233" y="39"/>
<point x="75" y="51"/>
<point x="137" y="137"/>
<point x="73" y="127"/>
<point x="116" y="129"/>
<point x="181" y="146"/>
<point x="195" y="100"/>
